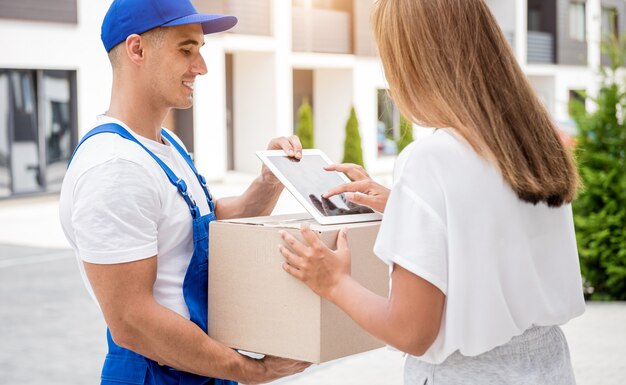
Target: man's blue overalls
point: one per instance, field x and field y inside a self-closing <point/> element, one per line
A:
<point x="123" y="366"/>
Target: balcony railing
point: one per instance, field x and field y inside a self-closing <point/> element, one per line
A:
<point x="321" y="30"/>
<point x="253" y="15"/>
<point x="363" y="43"/>
<point x="540" y="47"/>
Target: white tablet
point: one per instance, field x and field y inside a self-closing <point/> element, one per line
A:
<point x="307" y="181"/>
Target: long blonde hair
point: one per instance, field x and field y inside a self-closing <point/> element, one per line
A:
<point x="448" y="64"/>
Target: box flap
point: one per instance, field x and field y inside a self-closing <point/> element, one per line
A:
<point x="293" y="221"/>
<point x="273" y="221"/>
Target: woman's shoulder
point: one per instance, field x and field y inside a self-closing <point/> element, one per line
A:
<point x="439" y="148"/>
<point x="442" y="161"/>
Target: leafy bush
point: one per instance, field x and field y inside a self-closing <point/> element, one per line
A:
<point x="600" y="208"/>
<point x="406" y="133"/>
<point x="304" y="129"/>
<point x="352" y="152"/>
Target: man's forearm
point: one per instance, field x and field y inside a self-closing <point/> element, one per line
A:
<point x="164" y="336"/>
<point x="258" y="200"/>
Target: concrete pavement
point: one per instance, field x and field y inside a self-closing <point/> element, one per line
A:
<point x="51" y="332"/>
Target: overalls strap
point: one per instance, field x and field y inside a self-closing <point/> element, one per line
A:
<point x="180" y="184"/>
<point x="189" y="161"/>
<point x="123" y="366"/>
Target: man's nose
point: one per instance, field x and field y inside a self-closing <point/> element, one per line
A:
<point x="199" y="66"/>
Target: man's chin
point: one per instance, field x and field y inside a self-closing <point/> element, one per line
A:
<point x="183" y="105"/>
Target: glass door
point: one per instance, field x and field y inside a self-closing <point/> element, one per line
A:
<point x="55" y="96"/>
<point x="38" y="129"/>
<point x="25" y="149"/>
<point x="5" y="138"/>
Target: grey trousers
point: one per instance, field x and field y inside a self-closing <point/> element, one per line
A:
<point x="539" y="356"/>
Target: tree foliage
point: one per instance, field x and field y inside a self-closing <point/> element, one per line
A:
<point x="600" y="208"/>
<point x="352" y="151"/>
<point x="304" y="129"/>
<point x="406" y="133"/>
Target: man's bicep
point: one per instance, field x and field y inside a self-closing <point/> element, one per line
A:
<point x="122" y="288"/>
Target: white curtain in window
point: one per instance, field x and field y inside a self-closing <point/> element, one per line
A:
<point x="577" y="30"/>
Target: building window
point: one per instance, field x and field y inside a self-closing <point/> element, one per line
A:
<point x="38" y="129"/>
<point x="610" y="27"/>
<point x="577" y="21"/>
<point x="388" y="126"/>
<point x="534" y="19"/>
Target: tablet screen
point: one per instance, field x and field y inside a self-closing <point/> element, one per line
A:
<point x="308" y="176"/>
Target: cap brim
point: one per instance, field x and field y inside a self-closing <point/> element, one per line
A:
<point x="210" y="23"/>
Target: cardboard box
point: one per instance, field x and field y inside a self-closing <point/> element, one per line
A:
<point x="254" y="305"/>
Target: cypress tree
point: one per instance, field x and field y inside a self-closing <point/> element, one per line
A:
<point x="304" y="130"/>
<point x="352" y="152"/>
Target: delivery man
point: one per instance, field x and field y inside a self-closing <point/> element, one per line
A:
<point x="136" y="211"/>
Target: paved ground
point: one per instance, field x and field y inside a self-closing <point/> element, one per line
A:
<point x="52" y="333"/>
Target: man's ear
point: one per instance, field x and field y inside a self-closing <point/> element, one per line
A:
<point x="135" y="48"/>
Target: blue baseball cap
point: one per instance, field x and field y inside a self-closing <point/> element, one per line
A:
<point x="127" y="17"/>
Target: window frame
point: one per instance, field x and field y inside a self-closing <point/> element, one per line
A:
<point x="390" y="108"/>
<point x="613" y="17"/>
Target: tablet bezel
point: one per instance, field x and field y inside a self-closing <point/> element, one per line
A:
<point x="321" y="219"/>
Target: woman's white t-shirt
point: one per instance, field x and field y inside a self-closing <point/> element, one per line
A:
<point x="503" y="264"/>
<point x="117" y="205"/>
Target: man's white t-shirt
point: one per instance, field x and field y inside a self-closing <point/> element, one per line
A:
<point x="117" y="205"/>
<point x="503" y="264"/>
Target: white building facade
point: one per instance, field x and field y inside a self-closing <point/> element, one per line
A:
<point x="55" y="78"/>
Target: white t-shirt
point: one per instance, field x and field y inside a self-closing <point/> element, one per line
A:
<point x="503" y="264"/>
<point x="117" y="206"/>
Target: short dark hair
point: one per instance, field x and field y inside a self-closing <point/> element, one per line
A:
<point x="154" y="36"/>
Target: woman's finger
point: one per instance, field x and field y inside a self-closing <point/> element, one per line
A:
<point x="342" y="239"/>
<point x="360" y="186"/>
<point x="310" y="237"/>
<point x="343" y="167"/>
<point x="297" y="246"/>
<point x="293" y="271"/>
<point x="292" y="259"/>
<point x="361" y="199"/>
<point x="353" y="171"/>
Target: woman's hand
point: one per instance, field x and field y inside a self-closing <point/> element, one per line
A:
<point x="363" y="190"/>
<point x="320" y="268"/>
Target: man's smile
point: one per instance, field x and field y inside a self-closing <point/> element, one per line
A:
<point x="188" y="85"/>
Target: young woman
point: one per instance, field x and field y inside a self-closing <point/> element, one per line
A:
<point x="478" y="225"/>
